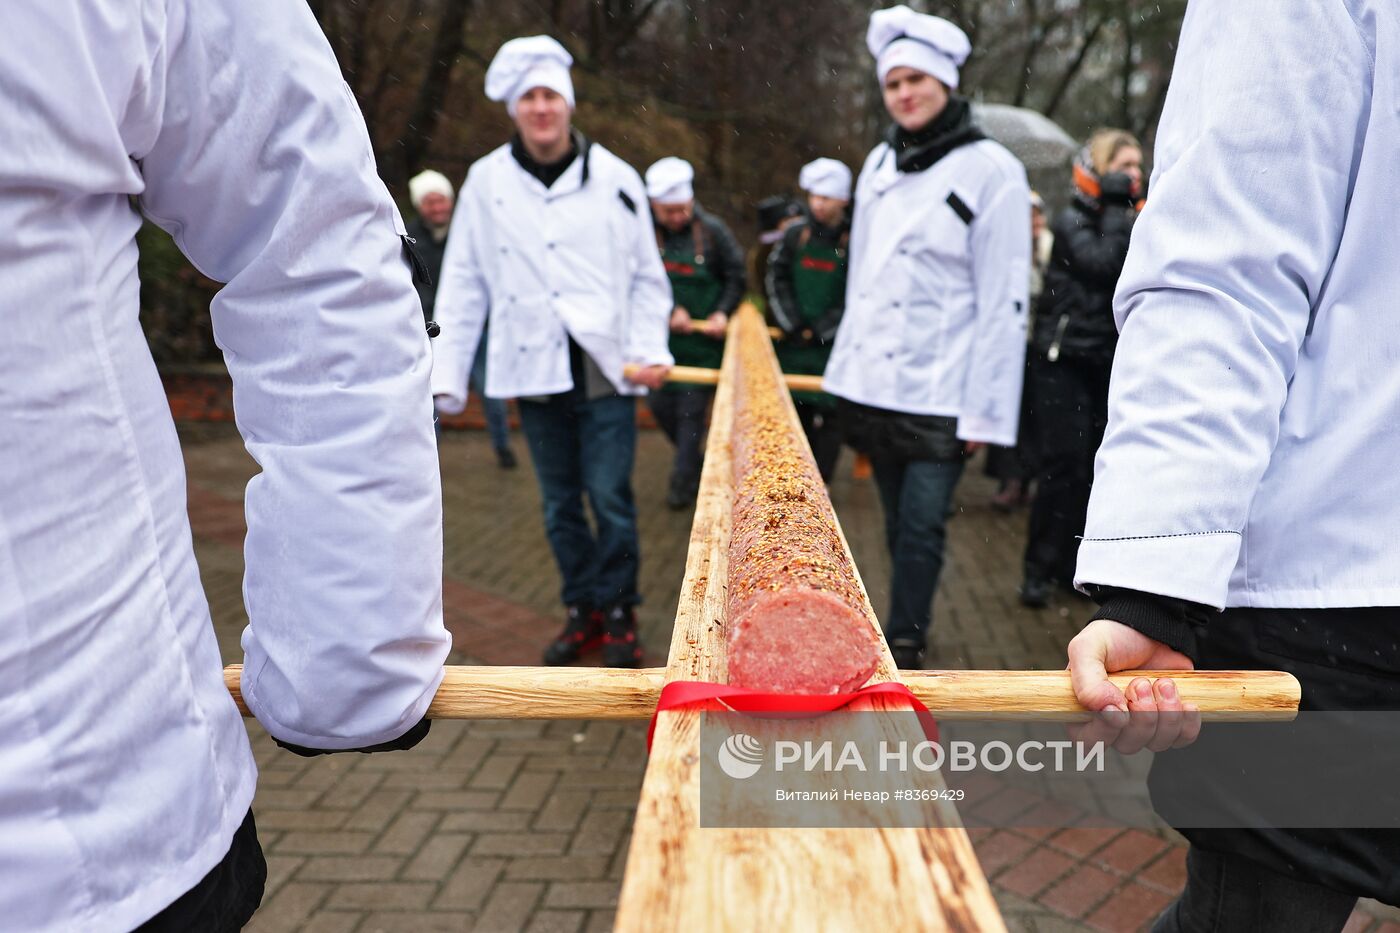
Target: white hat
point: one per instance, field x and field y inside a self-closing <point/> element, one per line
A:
<point x="669" y="181"/>
<point x="899" y="36"/>
<point x="826" y="178"/>
<point x="523" y="64"/>
<point x="426" y="183"/>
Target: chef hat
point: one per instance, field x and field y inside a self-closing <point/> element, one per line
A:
<point x="899" y="36"/>
<point x="426" y="183"/>
<point x="827" y="178"/>
<point x="531" y="62"/>
<point x="669" y="181"/>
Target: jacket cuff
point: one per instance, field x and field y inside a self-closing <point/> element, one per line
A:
<point x="1194" y="567"/>
<point x="1160" y="618"/>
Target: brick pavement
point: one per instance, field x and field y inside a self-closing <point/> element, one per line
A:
<point x="524" y="826"/>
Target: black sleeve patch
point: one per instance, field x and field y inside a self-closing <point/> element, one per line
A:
<point x="627" y="201"/>
<point x="960" y="208"/>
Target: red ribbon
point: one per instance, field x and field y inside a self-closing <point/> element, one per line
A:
<point x="679" y="694"/>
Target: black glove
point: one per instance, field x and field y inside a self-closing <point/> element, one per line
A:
<point x="404" y="742"/>
<point x="1118" y="188"/>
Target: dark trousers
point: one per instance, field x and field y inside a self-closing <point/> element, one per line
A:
<point x="682" y="414"/>
<point x="1303" y="879"/>
<point x="1070" y="410"/>
<point x="226" y="898"/>
<point x="1227" y="893"/>
<point x="587" y="447"/>
<point x="823" y="435"/>
<point x="915" y="496"/>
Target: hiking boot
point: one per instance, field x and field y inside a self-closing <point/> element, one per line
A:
<point x="583" y="631"/>
<point x="620" y="645"/>
<point x="908" y="655"/>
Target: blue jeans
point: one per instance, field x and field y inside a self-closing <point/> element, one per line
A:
<point x="915" y="495"/>
<point x="496" y="423"/>
<point x="581" y="447"/>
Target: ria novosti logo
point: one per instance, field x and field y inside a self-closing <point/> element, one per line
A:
<point x="741" y="756"/>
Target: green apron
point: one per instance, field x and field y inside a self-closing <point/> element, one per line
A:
<point x="696" y="289"/>
<point x="819" y="280"/>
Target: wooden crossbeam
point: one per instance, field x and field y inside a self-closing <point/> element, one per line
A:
<point x="699" y="376"/>
<point x="475" y="692"/>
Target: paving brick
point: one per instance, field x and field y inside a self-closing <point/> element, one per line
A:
<point x="377" y="811"/>
<point x="559" y="868"/>
<point x="528" y="791"/>
<point x="437" y="857"/>
<point x="601" y="921"/>
<point x="333" y="921"/>
<point x="287" y="910"/>
<point x="599" y="833"/>
<point x="418" y="922"/>
<point x="558" y="921"/>
<point x="594" y="894"/>
<point x="452" y="800"/>
<point x="272" y="819"/>
<point x="488" y="821"/>
<point x="351" y="790"/>
<point x="469" y="884"/>
<point x="1079" y="891"/>
<point x="1034" y="873"/>
<point x="406" y="834"/>
<point x="393" y="895"/>
<point x="509" y="907"/>
<point x="1168" y="873"/>
<point x="562" y="810"/>
<point x="496" y="772"/>
<point x="1129" y="852"/>
<point x="1129" y="908"/>
<point x="520" y="844"/>
<point x="997" y="852"/>
<point x="1082" y="841"/>
<point x="349" y="868"/>
<point x="323" y="843"/>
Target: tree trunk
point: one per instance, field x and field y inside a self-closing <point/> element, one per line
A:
<point x="422" y="122"/>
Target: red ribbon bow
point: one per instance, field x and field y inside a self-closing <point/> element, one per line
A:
<point x="721" y="697"/>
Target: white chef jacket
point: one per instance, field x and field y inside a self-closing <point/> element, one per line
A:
<point x="936" y="305"/>
<point x="578" y="258"/>
<point x="1254" y="413"/>
<point x="124" y="765"/>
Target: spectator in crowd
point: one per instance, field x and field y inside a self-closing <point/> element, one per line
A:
<point x="1013" y="467"/>
<point x="1245" y="500"/>
<point x="553" y="239"/>
<point x="774" y="215"/>
<point x="928" y="359"/>
<point x="807" y="289"/>
<point x="432" y="197"/>
<point x="706" y="269"/>
<point x="1072" y="352"/>
<point x="126" y="775"/>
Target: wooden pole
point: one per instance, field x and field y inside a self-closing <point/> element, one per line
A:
<point x="614" y="693"/>
<point x="697" y="375"/>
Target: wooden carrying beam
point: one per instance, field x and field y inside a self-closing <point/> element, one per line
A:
<point x="680" y="876"/>
<point x="470" y="692"/>
<point x="697" y="375"/>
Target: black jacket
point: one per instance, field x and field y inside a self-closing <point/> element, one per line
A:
<point x="1074" y="319"/>
<point x="722" y="253"/>
<point x="431" y="254"/>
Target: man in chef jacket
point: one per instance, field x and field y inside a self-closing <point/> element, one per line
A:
<point x="552" y="238"/>
<point x="928" y="358"/>
<point x="1246" y="497"/>
<point x="125" y="770"/>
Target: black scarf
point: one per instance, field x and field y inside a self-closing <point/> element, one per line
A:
<point x="548" y="173"/>
<point x="916" y="151"/>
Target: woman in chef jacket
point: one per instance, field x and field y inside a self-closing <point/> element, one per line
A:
<point x="929" y="356"/>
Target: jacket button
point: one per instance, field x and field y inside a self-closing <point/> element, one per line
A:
<point x="554" y="295"/>
<point x="898" y="305"/>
